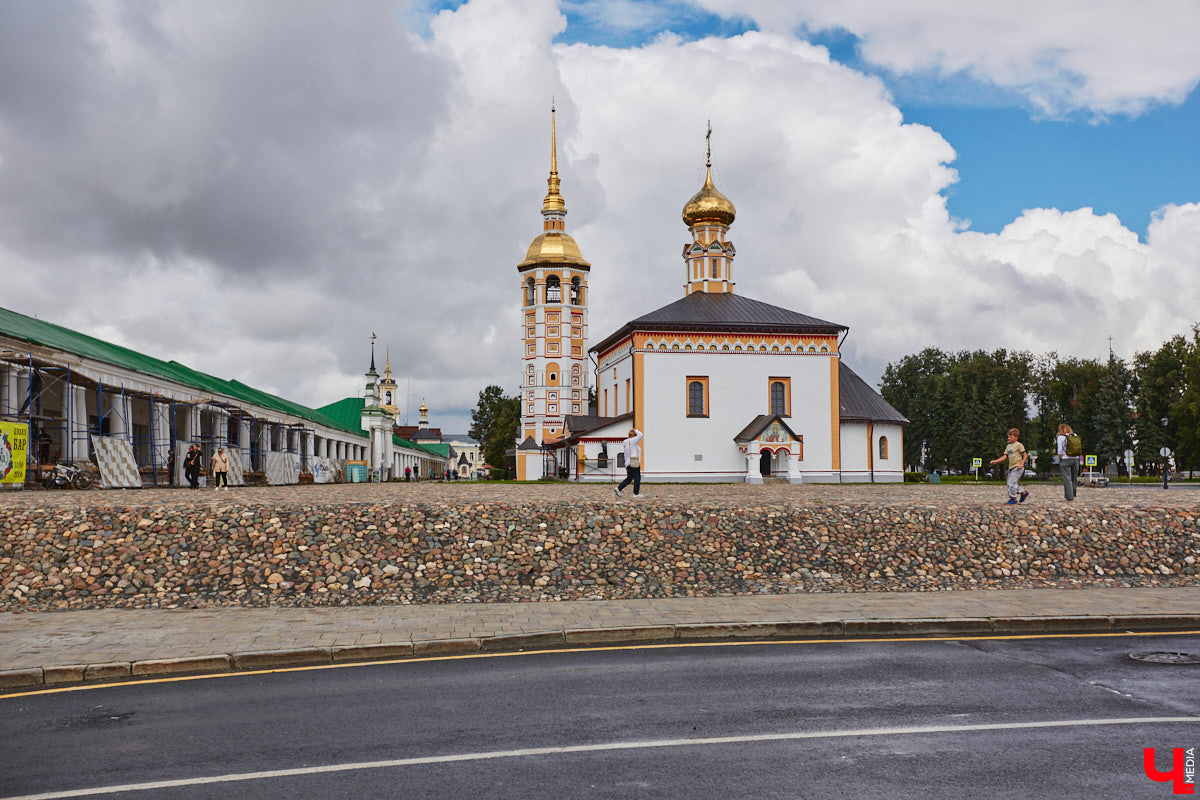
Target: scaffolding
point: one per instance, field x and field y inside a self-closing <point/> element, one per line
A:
<point x="65" y="408"/>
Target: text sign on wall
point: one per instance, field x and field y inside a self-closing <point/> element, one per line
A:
<point x="14" y="449"/>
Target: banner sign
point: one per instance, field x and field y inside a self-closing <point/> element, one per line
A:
<point x="14" y="449"/>
<point x="356" y="471"/>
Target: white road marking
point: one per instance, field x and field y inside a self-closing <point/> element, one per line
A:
<point x="596" y="748"/>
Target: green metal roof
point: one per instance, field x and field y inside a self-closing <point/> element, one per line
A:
<point x="47" y="334"/>
<point x="349" y="412"/>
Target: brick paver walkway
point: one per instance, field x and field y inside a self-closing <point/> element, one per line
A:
<point x="31" y="640"/>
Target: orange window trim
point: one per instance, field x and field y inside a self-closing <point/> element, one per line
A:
<point x="787" y="394"/>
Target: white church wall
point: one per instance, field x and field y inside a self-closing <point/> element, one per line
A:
<point x="861" y="461"/>
<point x="738" y="386"/>
<point x="615" y="371"/>
<point x="856" y="466"/>
<point x="890" y="469"/>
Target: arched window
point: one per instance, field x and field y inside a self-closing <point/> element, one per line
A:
<point x="576" y="291"/>
<point x="883" y="447"/>
<point x="553" y="290"/>
<point x="529" y="292"/>
<point x="778" y="398"/>
<point x="697" y="405"/>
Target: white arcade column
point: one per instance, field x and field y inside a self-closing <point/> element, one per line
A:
<point x="78" y="428"/>
<point x="160" y="421"/>
<point x="244" y="442"/>
<point x="120" y="425"/>
<point x="8" y="390"/>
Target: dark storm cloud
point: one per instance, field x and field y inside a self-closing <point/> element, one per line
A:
<point x="253" y="136"/>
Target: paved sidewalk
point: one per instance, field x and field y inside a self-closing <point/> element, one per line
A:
<point x="43" y="648"/>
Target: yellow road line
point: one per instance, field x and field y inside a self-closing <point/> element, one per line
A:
<point x="601" y="649"/>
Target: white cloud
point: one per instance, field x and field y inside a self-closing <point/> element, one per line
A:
<point x="253" y="196"/>
<point x="1101" y="56"/>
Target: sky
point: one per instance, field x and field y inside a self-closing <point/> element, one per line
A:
<point x="255" y="187"/>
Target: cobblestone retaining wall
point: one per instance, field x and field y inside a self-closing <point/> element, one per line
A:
<point x="258" y="549"/>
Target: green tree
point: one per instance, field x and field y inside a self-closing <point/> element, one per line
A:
<point x="495" y="422"/>
<point x="1067" y="393"/>
<point x="958" y="405"/>
<point x="1186" y="441"/>
<point x="1163" y="390"/>
<point x="911" y="386"/>
<point x="1112" y="415"/>
<point x="988" y="395"/>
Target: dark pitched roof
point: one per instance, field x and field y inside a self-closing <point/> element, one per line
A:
<point x="701" y="311"/>
<point x="528" y="444"/>
<point x="577" y="424"/>
<point x="758" y="425"/>
<point x="860" y="402"/>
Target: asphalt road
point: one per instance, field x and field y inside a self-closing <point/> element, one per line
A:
<point x="929" y="719"/>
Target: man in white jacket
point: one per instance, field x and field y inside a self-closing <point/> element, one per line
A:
<point x="633" y="462"/>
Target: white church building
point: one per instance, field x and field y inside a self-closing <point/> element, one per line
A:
<point x="724" y="387"/>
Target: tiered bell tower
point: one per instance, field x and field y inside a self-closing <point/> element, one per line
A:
<point x="709" y="257"/>
<point x="387" y="391"/>
<point x="555" y="374"/>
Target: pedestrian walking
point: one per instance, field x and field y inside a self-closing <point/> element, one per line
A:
<point x="220" y="470"/>
<point x="407" y="474"/>
<point x="1015" y="456"/>
<point x="171" y="467"/>
<point x="1068" y="449"/>
<point x="633" y="462"/>
<point x="192" y="466"/>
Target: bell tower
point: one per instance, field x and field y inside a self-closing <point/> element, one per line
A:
<point x="387" y="390"/>
<point x="554" y="295"/>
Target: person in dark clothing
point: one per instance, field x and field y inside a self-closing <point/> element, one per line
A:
<point x="171" y="467"/>
<point x="192" y="467"/>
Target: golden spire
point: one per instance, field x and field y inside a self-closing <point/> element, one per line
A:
<point x="708" y="204"/>
<point x="553" y="204"/>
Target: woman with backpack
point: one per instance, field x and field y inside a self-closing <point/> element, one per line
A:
<point x="1068" y="451"/>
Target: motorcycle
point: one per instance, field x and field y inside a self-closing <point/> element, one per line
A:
<point x="64" y="475"/>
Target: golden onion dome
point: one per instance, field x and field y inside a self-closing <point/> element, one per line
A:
<point x="553" y="247"/>
<point x="709" y="205"/>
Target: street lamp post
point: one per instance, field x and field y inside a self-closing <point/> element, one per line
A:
<point x="1165" y="451"/>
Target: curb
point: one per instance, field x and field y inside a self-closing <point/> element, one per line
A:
<point x="61" y="675"/>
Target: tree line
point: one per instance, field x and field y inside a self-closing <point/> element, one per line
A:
<point x="959" y="405"/>
<point x="495" y="422"/>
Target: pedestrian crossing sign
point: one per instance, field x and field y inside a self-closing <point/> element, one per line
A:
<point x="1089" y="461"/>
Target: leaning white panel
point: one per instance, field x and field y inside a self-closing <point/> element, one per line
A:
<point x="280" y="471"/>
<point x="118" y="467"/>
<point x="236" y="476"/>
